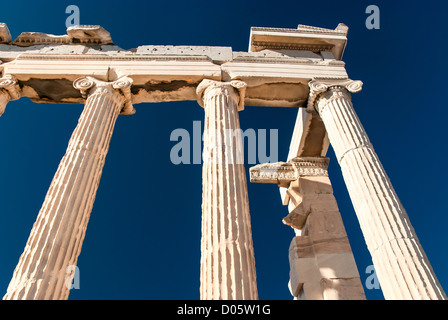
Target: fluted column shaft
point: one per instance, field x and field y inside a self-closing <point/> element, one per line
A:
<point x="401" y="265"/>
<point x="227" y="261"/>
<point x="57" y="235"/>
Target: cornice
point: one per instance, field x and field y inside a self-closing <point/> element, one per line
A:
<point x="291" y="46"/>
<point x="286" y="60"/>
<point x="303" y="38"/>
<point x="110" y="57"/>
<point x="83" y="34"/>
<point x="304" y="29"/>
<point x="282" y="173"/>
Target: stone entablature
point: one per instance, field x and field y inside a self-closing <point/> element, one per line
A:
<point x="275" y="77"/>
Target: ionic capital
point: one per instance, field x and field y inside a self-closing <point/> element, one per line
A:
<point x="118" y="89"/>
<point x="9" y="85"/>
<point x="234" y="89"/>
<point x="333" y="87"/>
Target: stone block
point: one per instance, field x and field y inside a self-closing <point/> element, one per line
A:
<point x="330" y="243"/>
<point x="304" y="270"/>
<point x="302" y="247"/>
<point x="312" y="291"/>
<point x="297" y="216"/>
<point x="342" y="289"/>
<point x="337" y="265"/>
<point x="329" y="222"/>
<point x="315" y="185"/>
<point x="323" y="202"/>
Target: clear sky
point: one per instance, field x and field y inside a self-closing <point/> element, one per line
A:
<point x="143" y="238"/>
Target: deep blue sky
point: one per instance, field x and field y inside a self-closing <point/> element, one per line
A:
<point x="143" y="238"/>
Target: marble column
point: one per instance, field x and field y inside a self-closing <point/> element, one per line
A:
<point x="401" y="265"/>
<point x="9" y="90"/>
<point x="52" y="250"/>
<point x="227" y="261"/>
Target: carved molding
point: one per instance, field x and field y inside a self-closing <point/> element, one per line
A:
<point x="282" y="173"/>
<point x="209" y="87"/>
<point x="27" y="39"/>
<point x="90" y="86"/>
<point x="319" y="86"/>
<point x="279" y="173"/>
<point x="291" y="46"/>
<point x="82" y="34"/>
<point x="303" y="38"/>
<point x="310" y="166"/>
<point x="89" y="34"/>
<point x="287" y="175"/>
<point x="307" y="29"/>
<point x="110" y="57"/>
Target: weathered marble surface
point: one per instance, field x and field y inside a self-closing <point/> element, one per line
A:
<point x="46" y="65"/>
<point x="227" y="260"/>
